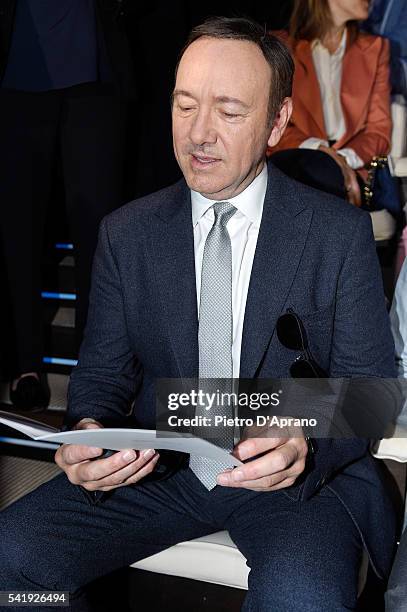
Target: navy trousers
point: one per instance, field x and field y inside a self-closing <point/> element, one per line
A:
<point x="302" y="554"/>
<point x="396" y="594"/>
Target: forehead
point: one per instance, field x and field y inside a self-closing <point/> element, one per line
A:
<point x="224" y="68"/>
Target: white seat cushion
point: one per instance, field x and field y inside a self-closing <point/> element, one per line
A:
<point x="384" y="224"/>
<point x="394" y="448"/>
<point x="213" y="558"/>
<point x="400" y="167"/>
<point x="399" y="118"/>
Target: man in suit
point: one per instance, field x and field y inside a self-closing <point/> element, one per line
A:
<point x="233" y="245"/>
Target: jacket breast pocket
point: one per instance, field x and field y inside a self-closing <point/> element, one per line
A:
<point x="315" y="317"/>
<point x="318" y="326"/>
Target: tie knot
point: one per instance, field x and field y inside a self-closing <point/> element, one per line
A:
<point x="223" y="212"/>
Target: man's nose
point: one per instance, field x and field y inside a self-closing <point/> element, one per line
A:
<point x="202" y="128"/>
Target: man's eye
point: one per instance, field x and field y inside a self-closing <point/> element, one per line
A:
<point x="186" y="109"/>
<point x="230" y="115"/>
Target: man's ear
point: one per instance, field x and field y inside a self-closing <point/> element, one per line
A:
<point x="280" y="122"/>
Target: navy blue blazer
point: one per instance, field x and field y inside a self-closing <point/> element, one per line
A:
<point x="315" y="253"/>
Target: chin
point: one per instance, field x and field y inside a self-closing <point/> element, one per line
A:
<point x="363" y="13"/>
<point x="203" y="184"/>
<point x="363" y="16"/>
<point x="205" y="187"/>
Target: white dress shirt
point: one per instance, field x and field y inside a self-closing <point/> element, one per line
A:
<point x="243" y="229"/>
<point x="328" y="67"/>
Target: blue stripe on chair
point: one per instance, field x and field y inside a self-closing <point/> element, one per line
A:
<point x="65" y="246"/>
<point x="60" y="361"/>
<point x="54" y="295"/>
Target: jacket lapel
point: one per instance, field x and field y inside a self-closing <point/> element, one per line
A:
<point x="174" y="262"/>
<point x="282" y="237"/>
<point x="358" y="74"/>
<point x="307" y="92"/>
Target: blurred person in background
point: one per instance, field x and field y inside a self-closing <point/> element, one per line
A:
<point x="341" y="98"/>
<point x="66" y="75"/>
<point x="396" y="594"/>
<point x="388" y="18"/>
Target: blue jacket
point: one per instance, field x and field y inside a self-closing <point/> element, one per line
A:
<point x="315" y="253"/>
<point x="388" y="18"/>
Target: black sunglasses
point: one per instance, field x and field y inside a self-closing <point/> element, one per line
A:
<point x="291" y="333"/>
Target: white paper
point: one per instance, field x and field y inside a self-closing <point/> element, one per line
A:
<point x="118" y="439"/>
<point x="27" y="426"/>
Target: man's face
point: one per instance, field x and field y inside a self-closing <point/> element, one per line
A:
<point x="219" y="115"/>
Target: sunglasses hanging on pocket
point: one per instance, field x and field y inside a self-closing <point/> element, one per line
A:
<point x="291" y="333"/>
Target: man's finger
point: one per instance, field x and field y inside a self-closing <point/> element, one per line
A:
<point x="269" y="482"/>
<point x="255" y="446"/>
<point x="136" y="477"/>
<point x="76" y="453"/>
<point x="88" y="423"/>
<point x="265" y="483"/>
<point x="273" y="462"/>
<point x="100" y="468"/>
<point x="69" y="454"/>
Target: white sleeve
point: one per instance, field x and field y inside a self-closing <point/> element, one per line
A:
<point x="352" y="158"/>
<point x="313" y="143"/>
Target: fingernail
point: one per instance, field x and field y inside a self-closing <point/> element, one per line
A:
<point x="237" y="475"/>
<point x="222" y="479"/>
<point x="129" y="455"/>
<point x="147" y="454"/>
<point x="246" y="451"/>
<point x="96" y="452"/>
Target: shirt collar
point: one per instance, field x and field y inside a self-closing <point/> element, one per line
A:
<point x="340" y="50"/>
<point x="249" y="202"/>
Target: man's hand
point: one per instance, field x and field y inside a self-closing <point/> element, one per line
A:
<point x="349" y="175"/>
<point x="280" y="465"/>
<point x="121" y="469"/>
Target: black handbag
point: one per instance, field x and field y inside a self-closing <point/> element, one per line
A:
<point x="381" y="189"/>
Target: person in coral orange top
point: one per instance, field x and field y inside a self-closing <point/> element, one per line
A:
<point x="341" y="97"/>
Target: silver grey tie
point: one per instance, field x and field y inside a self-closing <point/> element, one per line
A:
<point x="215" y="335"/>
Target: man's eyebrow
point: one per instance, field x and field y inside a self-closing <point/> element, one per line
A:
<point x="221" y="99"/>
<point x="181" y="92"/>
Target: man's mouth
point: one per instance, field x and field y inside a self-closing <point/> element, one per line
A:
<point x="203" y="160"/>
